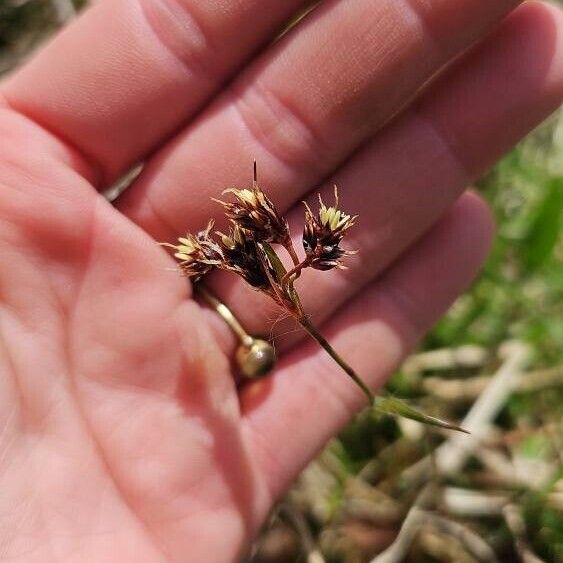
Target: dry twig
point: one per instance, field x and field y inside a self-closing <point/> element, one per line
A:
<point x="468" y="356"/>
<point x="472" y="541"/>
<point x="298" y="521"/>
<point x="517" y="527"/>
<point x="451" y="456"/>
<point x="64" y="10"/>
<point x="470" y="388"/>
<point x="398" y="550"/>
<point x="463" y="502"/>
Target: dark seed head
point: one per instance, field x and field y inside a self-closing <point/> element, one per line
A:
<point x="322" y="235"/>
<point x="241" y="256"/>
<point x="197" y="254"/>
<point x="255" y="212"/>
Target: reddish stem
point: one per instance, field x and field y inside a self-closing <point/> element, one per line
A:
<point x="295" y="272"/>
<point x="288" y="245"/>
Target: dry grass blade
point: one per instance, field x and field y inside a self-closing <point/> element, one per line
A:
<point x="64" y="10"/>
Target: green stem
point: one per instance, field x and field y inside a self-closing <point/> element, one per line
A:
<point x="316" y="335"/>
<point x="385" y="404"/>
<point x="288" y="298"/>
<point x="295" y="272"/>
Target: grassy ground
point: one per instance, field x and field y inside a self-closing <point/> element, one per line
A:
<point x="503" y="501"/>
<point x="497" y="355"/>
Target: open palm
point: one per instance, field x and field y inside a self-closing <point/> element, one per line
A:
<point x="122" y="434"/>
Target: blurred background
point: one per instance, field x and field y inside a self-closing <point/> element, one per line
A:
<point x="390" y="490"/>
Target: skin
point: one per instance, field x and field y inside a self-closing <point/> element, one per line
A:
<point x="122" y="434"/>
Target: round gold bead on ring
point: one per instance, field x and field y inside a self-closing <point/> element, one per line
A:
<point x="255" y="357"/>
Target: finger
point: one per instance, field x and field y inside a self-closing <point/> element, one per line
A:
<point x="306" y="104"/>
<point x="309" y="398"/>
<point x="400" y="183"/>
<point x="128" y="73"/>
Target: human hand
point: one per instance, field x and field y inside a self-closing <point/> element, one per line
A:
<point x="122" y="434"/>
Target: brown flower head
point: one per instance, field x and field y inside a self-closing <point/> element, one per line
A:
<point x="243" y="257"/>
<point x="197" y="254"/>
<point x="256" y="213"/>
<point x="322" y="235"/>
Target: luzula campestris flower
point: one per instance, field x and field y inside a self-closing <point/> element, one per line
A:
<point x="256" y="213"/>
<point x="322" y="235"/>
<point x="241" y="256"/>
<point x="197" y="255"/>
<point x="247" y="251"/>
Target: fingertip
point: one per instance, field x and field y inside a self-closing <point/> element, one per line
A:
<point x="474" y="216"/>
<point x="457" y="245"/>
<point x="539" y="25"/>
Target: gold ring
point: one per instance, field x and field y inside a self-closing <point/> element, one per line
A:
<point x="255" y="357"/>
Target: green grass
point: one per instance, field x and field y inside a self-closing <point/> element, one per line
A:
<point x="518" y="296"/>
<point x="520" y="292"/>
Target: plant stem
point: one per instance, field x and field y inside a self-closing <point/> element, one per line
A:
<point x="288" y="298"/>
<point x="316" y="335"/>
<point x="295" y="272"/>
<point x="385" y="404"/>
<point x="288" y="245"/>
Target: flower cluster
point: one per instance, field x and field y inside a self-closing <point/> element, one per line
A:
<point x="245" y="258"/>
<point x="198" y="254"/>
<point x="246" y="250"/>
<point x="255" y="212"/>
<point x="256" y="224"/>
<point x="322" y="235"/>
